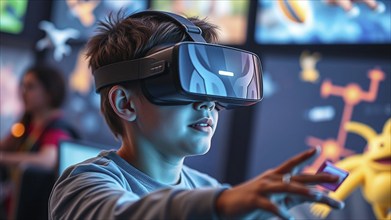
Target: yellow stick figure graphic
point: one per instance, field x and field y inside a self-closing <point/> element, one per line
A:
<point x="371" y="170"/>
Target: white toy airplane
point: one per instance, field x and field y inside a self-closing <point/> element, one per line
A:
<point x="56" y="39"/>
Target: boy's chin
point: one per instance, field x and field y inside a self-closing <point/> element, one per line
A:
<point x="200" y="149"/>
<point x="204" y="151"/>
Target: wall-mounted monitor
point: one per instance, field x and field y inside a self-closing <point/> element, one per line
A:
<point x="309" y="100"/>
<point x="309" y="97"/>
<point x="317" y="22"/>
<point x="12" y="16"/>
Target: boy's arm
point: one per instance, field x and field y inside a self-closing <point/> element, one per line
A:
<point x="274" y="192"/>
<point x="100" y="196"/>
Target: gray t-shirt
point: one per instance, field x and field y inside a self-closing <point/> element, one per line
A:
<point x="107" y="187"/>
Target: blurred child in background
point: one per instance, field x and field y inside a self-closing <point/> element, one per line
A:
<point x="34" y="139"/>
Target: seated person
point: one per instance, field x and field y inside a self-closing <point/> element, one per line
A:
<point x="146" y="177"/>
<point x="36" y="136"/>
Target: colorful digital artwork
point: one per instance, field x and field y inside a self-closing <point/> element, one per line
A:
<point x="229" y="16"/>
<point x="85" y="103"/>
<point x="270" y="87"/>
<point x="328" y="97"/>
<point x="12" y="15"/>
<point x="84" y="15"/>
<point x="322" y="22"/>
<point x="73" y="23"/>
<point x="294" y="11"/>
<point x="308" y="61"/>
<point x="370" y="170"/>
<point x="319" y="100"/>
<point x="352" y="94"/>
<point x="83" y="11"/>
<point x="81" y="79"/>
<point x="11" y="105"/>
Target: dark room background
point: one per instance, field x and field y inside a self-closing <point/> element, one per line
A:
<point x="322" y="68"/>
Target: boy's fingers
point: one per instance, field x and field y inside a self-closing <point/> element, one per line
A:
<point x="298" y="168"/>
<point x="323" y="198"/>
<point x="296" y="163"/>
<point x="269" y="206"/>
<point x="283" y="188"/>
<point x="298" y="190"/>
<point x="315" y="197"/>
<point x="314" y="179"/>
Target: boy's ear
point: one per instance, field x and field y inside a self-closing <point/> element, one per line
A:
<point x="122" y="102"/>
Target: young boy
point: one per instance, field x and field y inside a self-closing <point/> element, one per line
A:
<point x="146" y="178"/>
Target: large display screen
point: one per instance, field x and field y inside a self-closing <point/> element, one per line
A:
<point x="309" y="98"/>
<point x="316" y="99"/>
<point x="83" y="16"/>
<point x="318" y="22"/>
<point x="12" y="15"/>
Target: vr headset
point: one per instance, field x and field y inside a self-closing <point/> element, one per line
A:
<point x="190" y="71"/>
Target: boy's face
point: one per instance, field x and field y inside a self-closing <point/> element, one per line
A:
<point x="177" y="131"/>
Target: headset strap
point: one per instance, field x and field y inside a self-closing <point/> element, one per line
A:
<point x="194" y="32"/>
<point x="119" y="72"/>
<point x="143" y="65"/>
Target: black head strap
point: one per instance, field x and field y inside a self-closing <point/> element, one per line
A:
<point x="121" y="69"/>
<point x="194" y="32"/>
<point x="119" y="72"/>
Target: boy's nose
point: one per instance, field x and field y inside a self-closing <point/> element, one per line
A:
<point x="205" y="105"/>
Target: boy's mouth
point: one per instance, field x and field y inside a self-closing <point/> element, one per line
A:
<point x="204" y="125"/>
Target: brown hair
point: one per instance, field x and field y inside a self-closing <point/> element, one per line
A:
<point x="52" y="81"/>
<point x="122" y="38"/>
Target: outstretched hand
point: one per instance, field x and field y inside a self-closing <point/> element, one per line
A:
<point x="277" y="190"/>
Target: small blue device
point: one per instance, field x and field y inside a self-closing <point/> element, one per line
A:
<point x="328" y="167"/>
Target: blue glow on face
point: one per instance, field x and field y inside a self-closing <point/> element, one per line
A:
<point x="169" y="130"/>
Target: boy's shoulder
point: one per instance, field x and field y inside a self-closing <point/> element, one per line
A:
<point x="198" y="178"/>
<point x="109" y="165"/>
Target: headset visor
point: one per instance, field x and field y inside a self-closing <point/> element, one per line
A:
<point x="228" y="74"/>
